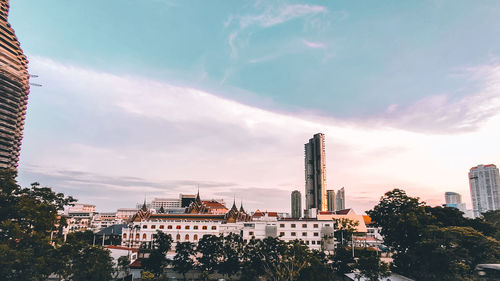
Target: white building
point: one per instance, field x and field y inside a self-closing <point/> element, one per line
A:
<point x="197" y="222"/>
<point x="484" y="184"/>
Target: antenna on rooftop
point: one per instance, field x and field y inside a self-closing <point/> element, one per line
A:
<point x="34" y="84"/>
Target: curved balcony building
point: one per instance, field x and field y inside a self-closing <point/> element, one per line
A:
<point x="14" y="90"/>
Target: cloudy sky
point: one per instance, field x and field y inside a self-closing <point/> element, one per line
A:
<point x="156" y="97"/>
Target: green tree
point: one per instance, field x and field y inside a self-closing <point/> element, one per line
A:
<point x="403" y="219"/>
<point x="210" y="249"/>
<point x="122" y="267"/>
<point x="28" y="217"/>
<point x="157" y="259"/>
<point x="317" y="269"/>
<point x="342" y="261"/>
<point x="92" y="263"/>
<point x="183" y="260"/>
<point x="370" y="266"/>
<point x="252" y="265"/>
<point x="345" y="229"/>
<point x="451" y="253"/>
<point x="232" y="251"/>
<point x="493" y="218"/>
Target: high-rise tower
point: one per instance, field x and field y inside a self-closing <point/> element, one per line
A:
<point x="330" y="195"/>
<point x="484" y="182"/>
<point x="315" y="173"/>
<point x="340" y="199"/>
<point x="14" y="90"/>
<point x="296" y="204"/>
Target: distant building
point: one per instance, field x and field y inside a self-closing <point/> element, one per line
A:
<point x="296" y="204"/>
<point x="454" y="200"/>
<point x="14" y="89"/>
<point x="315" y="173"/>
<point x="484" y="182"/>
<point x="126" y="213"/>
<point x="166" y="203"/>
<point x="340" y="199"/>
<point x="330" y="195"/>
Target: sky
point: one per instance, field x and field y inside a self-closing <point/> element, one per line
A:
<point x="152" y="98"/>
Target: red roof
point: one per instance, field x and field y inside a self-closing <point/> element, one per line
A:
<point x="261" y="214"/>
<point x="120" y="248"/>
<point x="136" y="264"/>
<point x="214" y="204"/>
<point x="343" y="212"/>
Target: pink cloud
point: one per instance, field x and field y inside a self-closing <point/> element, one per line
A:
<point x="314" y="45"/>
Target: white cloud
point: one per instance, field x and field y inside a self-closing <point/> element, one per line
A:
<point x="277" y="15"/>
<point x="123" y="126"/>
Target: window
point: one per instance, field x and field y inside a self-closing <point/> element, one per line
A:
<point x="307" y="242"/>
<point x="304" y="225"/>
<point x="153" y="226"/>
<point x="313" y="242"/>
<point x="282" y="225"/>
<point x="195" y="237"/>
<point x="186" y="238"/>
<point x="282" y="234"/>
<point x="204" y="227"/>
<point x="187" y="227"/>
<point x="169" y="227"/>
<point x="145" y="226"/>
<point x="304" y="234"/>
<point x="293" y="234"/>
<point x="137" y="236"/>
<point x="327" y="224"/>
<point x="178" y="237"/>
<point x="144" y="236"/>
<point x="214" y="227"/>
<point x="162" y="226"/>
<point x="315" y="225"/>
<point x="250" y="233"/>
<point x="316" y="233"/>
<point x="195" y="227"/>
<point x="124" y="235"/>
<point x="293" y="225"/>
<point x="178" y="227"/>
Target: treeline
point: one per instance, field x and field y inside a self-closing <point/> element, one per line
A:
<point x="435" y="243"/>
<point x="31" y="243"/>
<point x="267" y="259"/>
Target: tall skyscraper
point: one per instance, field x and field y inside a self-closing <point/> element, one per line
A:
<point x="484" y="182"/>
<point x="340" y="199"/>
<point x="315" y="172"/>
<point x="330" y="195"/>
<point x="296" y="204"/>
<point x="14" y="90"/>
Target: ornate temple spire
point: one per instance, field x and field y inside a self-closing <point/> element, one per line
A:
<point x="241" y="207"/>
<point x="144" y="207"/>
<point x="162" y="211"/>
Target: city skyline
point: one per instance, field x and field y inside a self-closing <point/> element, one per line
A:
<point x="162" y="111"/>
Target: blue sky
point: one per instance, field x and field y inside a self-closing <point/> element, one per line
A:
<point x="272" y="73"/>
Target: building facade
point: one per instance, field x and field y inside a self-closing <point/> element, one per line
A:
<point x="330" y="195"/>
<point x="197" y="222"/>
<point x="340" y="199"/>
<point x="315" y="173"/>
<point x="296" y="204"/>
<point x="484" y="182"/>
<point x="14" y="90"/>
